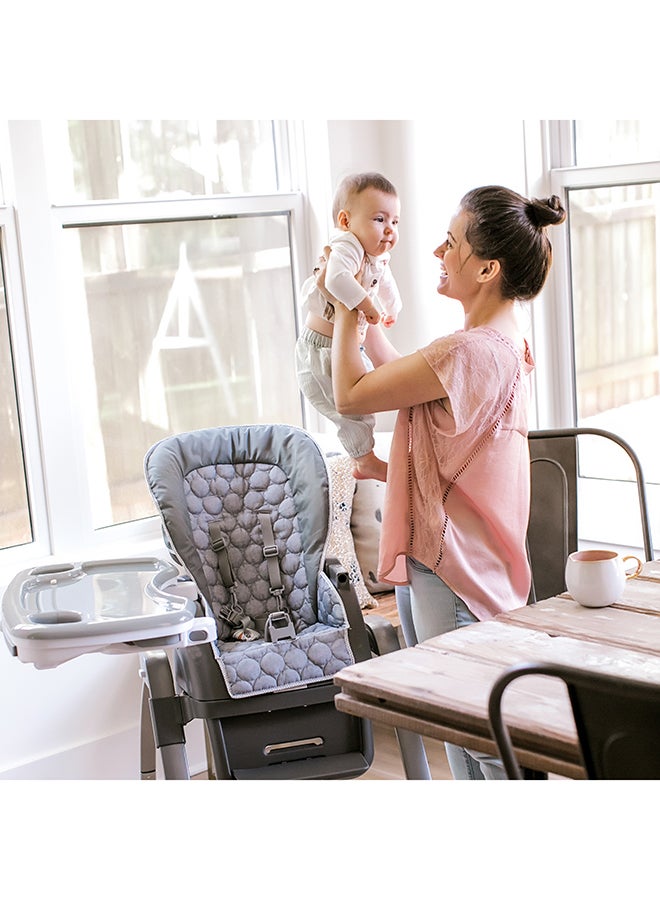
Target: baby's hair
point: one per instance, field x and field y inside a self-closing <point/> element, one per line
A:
<point x="355" y="184"/>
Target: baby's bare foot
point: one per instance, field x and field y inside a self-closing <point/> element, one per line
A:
<point x="370" y="466"/>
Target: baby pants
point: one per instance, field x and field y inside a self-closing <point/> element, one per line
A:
<point x="314" y="372"/>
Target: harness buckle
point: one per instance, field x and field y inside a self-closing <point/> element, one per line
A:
<point x="233" y="613"/>
<point x="245" y="634"/>
<point x="279" y="626"/>
<point x="219" y="542"/>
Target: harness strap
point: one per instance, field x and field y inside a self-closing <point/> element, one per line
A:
<point x="271" y="557"/>
<point x="232" y="611"/>
<point x="278" y="625"/>
<point x="219" y="545"/>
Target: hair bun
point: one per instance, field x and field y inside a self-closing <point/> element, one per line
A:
<point x="546" y="212"/>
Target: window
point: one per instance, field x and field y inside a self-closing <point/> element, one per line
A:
<point x="612" y="235"/>
<point x="15" y="525"/>
<point x="607" y="142"/>
<point x="182" y="324"/>
<point x="159" y="261"/>
<point x="607" y="262"/>
<point x="102" y="160"/>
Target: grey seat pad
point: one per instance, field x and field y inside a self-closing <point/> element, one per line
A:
<point x="230" y="475"/>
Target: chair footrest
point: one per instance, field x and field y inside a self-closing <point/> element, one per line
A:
<point x="347" y="765"/>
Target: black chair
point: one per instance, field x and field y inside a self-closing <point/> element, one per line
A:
<point x="617" y="721"/>
<point x="553" y="525"/>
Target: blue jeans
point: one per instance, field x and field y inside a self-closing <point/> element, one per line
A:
<point x="436" y="609"/>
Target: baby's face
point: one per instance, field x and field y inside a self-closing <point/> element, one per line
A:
<point x="373" y="217"/>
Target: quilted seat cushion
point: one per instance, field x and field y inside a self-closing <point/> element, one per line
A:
<point x="314" y="655"/>
<point x="230" y="476"/>
<point x="234" y="496"/>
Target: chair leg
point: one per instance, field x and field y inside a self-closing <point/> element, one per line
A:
<point x="413" y="755"/>
<point x="217" y="750"/>
<point x="168" y="732"/>
<point x="210" y="771"/>
<point x="147" y="743"/>
<point x="384" y="639"/>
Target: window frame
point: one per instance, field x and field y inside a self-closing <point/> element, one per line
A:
<point x="562" y="180"/>
<point x="60" y="498"/>
<point x="25" y="395"/>
<point x="552" y="170"/>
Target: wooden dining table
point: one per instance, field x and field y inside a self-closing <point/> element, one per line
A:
<point x="440" y="687"/>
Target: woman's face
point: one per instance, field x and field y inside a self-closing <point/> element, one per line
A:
<point x="459" y="264"/>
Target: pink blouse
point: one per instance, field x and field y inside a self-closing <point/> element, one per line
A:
<point x="457" y="496"/>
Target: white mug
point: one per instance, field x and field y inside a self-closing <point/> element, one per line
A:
<point x="597" y="577"/>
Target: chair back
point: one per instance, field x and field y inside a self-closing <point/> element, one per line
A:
<point x="245" y="511"/>
<point x="617" y="721"/>
<point x="553" y="524"/>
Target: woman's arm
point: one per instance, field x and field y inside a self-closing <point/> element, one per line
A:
<point x="378" y="347"/>
<point x="395" y="384"/>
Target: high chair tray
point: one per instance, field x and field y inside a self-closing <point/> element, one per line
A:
<point x="51" y="614"/>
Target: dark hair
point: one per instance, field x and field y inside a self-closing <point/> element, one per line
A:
<point x="355" y="184"/>
<point x="506" y="226"/>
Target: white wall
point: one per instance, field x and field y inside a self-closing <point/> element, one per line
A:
<point x="74" y="721"/>
<point x="81" y="720"/>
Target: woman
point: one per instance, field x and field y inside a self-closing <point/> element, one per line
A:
<point x="457" y="498"/>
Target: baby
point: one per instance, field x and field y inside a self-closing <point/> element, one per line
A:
<point x="366" y="215"/>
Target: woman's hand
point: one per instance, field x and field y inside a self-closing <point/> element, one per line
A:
<point x="319" y="274"/>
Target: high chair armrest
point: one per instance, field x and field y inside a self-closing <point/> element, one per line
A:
<point x="359" y="638"/>
<point x="380" y="633"/>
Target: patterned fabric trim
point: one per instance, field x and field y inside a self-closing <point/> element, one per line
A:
<point x="340" y="540"/>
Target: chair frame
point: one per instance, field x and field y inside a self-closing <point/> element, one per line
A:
<point x="606" y="709"/>
<point x="558" y="448"/>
